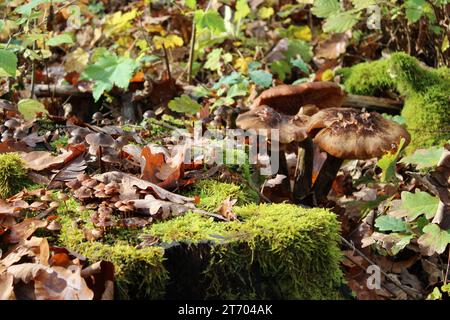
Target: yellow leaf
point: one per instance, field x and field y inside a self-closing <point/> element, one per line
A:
<point x="156" y="28"/>
<point x="171" y="41"/>
<point x="327" y="75"/>
<point x="76" y="61"/>
<point x="303" y="33"/>
<point x="118" y="22"/>
<point x="265" y="13"/>
<point x="241" y="64"/>
<point x="445" y="44"/>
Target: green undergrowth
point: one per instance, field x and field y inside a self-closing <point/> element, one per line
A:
<point x="212" y="193"/>
<point x="425" y="91"/>
<point x="277" y="251"/>
<point x="13" y="175"/>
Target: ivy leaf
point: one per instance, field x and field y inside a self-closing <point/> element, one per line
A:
<point x="110" y="70"/>
<point x="65" y="38"/>
<point x="242" y="10"/>
<point x="390" y="223"/>
<point x="419" y="203"/>
<point x="424" y="158"/>
<point x="211" y="20"/>
<point x="261" y="78"/>
<point x="434" y="240"/>
<point x="414" y="10"/>
<point x="340" y="22"/>
<point x="280" y="68"/>
<point x="388" y="163"/>
<point x="184" y="104"/>
<point x="325" y="8"/>
<point x="8" y="62"/>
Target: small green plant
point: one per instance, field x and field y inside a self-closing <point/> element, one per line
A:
<point x="12" y="174"/>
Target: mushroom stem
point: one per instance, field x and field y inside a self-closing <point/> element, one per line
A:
<point x="283" y="169"/>
<point x="100" y="162"/>
<point x="303" y="171"/>
<point x="326" y="176"/>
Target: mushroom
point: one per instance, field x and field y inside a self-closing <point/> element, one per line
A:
<point x="6" y="105"/>
<point x="98" y="141"/>
<point x="12" y="124"/>
<point x="290" y="129"/>
<point x="148" y="114"/>
<point x="97" y="117"/>
<point x="288" y="99"/>
<point x="63" y="197"/>
<point x="302" y="100"/>
<point x="345" y="133"/>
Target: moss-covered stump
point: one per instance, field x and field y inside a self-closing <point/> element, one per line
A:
<point x="425" y="90"/>
<point x="274" y="251"/>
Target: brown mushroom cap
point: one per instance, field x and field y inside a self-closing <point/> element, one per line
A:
<point x="347" y="133"/>
<point x="7" y="105"/>
<point x="288" y="99"/>
<point x="265" y="117"/>
<point x="99" y="139"/>
<point x="12" y="124"/>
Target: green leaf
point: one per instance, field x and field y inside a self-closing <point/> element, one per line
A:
<point x="299" y="63"/>
<point x="184" y="104"/>
<point x="388" y="163"/>
<point x="110" y="70"/>
<point x="390" y="223"/>
<point x="340" y="22"/>
<point x="211" y="20"/>
<point x="242" y="10"/>
<point x="261" y="78"/>
<point x="363" y="4"/>
<point x="65" y="38"/>
<point x="436" y="294"/>
<point x="434" y="239"/>
<point x="414" y="10"/>
<point x="419" y="203"/>
<point x="238" y="89"/>
<point x="213" y="60"/>
<point x="8" y="62"/>
<point x="325" y="8"/>
<point x="424" y="158"/>
<point x="281" y="68"/>
<point x="29" y="107"/>
<point x="191" y="4"/>
<point x="298" y="48"/>
<point x="401" y="243"/>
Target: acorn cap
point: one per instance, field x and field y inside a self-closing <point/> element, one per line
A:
<point x="99" y="139"/>
<point x="288" y="99"/>
<point x="265" y="117"/>
<point x="347" y="133"/>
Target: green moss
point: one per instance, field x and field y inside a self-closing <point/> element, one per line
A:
<point x="212" y="193"/>
<point x="367" y="78"/>
<point x="139" y="272"/>
<point x="425" y="91"/>
<point x="275" y="251"/>
<point x="12" y="174"/>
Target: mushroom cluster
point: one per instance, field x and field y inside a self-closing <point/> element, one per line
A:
<point x="311" y="115"/>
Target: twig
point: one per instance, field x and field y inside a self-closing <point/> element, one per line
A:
<point x="191" y="53"/>
<point x="389" y="277"/>
<point x="166" y="58"/>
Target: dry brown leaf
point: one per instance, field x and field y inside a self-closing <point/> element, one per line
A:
<point x="24" y="230"/>
<point x="6" y="286"/>
<point x="226" y="209"/>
